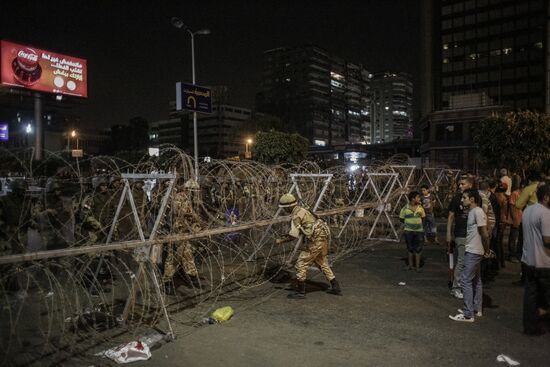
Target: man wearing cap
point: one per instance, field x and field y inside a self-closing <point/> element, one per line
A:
<point x="317" y="234"/>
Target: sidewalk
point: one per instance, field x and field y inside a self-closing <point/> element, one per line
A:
<point x="376" y="323"/>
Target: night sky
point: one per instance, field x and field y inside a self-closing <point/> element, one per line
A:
<point x="135" y="56"/>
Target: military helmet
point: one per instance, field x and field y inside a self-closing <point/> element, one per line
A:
<point x="98" y="181"/>
<point x="52" y="186"/>
<point x="287" y="200"/>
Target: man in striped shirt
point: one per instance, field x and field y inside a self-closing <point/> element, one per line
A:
<point x="412" y="215"/>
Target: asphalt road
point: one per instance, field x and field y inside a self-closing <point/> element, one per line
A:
<point x="377" y="322"/>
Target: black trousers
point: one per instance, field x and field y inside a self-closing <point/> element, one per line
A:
<point x="537" y="295"/>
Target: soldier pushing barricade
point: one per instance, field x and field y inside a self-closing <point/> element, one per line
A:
<point x="181" y="218"/>
<point x="317" y="234"/>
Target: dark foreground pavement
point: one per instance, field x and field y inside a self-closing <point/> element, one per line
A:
<point x="376" y="323"/>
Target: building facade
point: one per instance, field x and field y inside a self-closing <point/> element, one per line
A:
<point x="479" y="57"/>
<point x="495" y="47"/>
<point x="321" y="96"/>
<point x="391" y="107"/>
<point x="219" y="134"/>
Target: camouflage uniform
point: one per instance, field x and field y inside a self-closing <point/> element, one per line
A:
<point x="317" y="236"/>
<point x="183" y="220"/>
<point x="14" y="220"/>
<point x="55" y="219"/>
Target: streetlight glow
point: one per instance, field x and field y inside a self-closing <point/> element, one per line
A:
<point x="249" y="141"/>
<point x="73" y="133"/>
<point x="28" y="128"/>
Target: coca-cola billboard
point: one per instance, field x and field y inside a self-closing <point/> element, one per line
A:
<point x="40" y="70"/>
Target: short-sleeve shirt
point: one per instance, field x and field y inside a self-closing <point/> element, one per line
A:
<point x="476" y="218"/>
<point x="461" y="215"/>
<point x="536" y="225"/>
<point x="412" y="217"/>
<point x="427" y="203"/>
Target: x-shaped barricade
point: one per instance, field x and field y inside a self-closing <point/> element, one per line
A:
<point x="405" y="174"/>
<point x="382" y="194"/>
<point x="147" y="253"/>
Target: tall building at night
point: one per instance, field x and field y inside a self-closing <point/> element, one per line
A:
<point x="495" y="47"/>
<point x="479" y="57"/>
<point x="391" y="107"/>
<point x="321" y="96"/>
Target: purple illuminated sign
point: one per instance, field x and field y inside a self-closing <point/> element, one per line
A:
<point x="3" y="132"/>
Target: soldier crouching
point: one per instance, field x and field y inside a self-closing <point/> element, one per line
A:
<point x="317" y="235"/>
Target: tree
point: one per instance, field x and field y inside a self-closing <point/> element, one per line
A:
<point x="275" y="147"/>
<point x="516" y="140"/>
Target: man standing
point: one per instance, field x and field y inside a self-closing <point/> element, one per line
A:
<point x="429" y="221"/>
<point x="536" y="257"/>
<point x="412" y="215"/>
<point x="458" y="216"/>
<point x="477" y="246"/>
<point x="317" y="236"/>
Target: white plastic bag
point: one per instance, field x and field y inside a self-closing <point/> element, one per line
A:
<point x="126" y="353"/>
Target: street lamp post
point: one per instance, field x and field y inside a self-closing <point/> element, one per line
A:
<point x="247" y="152"/>
<point x="178" y="23"/>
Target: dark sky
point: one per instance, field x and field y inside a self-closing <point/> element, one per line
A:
<point x="135" y="56"/>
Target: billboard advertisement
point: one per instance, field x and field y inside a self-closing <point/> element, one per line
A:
<point x="41" y="70"/>
<point x="192" y="97"/>
<point x="4" y="132"/>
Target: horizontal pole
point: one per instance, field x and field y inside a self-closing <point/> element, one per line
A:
<point x="128" y="245"/>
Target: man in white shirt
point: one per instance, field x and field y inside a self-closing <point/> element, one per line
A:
<point x="536" y="260"/>
<point x="477" y="246"/>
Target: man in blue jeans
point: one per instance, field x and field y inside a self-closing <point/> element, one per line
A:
<point x="477" y="246"/>
<point x="456" y="232"/>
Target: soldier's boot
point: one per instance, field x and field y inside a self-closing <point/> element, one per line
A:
<point x="335" y="288"/>
<point x="300" y="292"/>
<point x="169" y="288"/>
<point x="195" y="281"/>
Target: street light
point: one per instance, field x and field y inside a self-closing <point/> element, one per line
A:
<point x="178" y="23"/>
<point x="247" y="152"/>
<point x="73" y="134"/>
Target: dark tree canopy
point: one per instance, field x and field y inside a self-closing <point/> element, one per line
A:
<point x="275" y="147"/>
<point x="516" y="140"/>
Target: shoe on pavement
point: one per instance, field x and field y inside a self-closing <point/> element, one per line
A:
<point x="477" y="313"/>
<point x="461" y="317"/>
<point x="457" y="294"/>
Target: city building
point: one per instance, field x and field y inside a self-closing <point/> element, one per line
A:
<point x="391" y="107"/>
<point x="447" y="134"/>
<point x="321" y="96"/>
<point x="221" y="134"/>
<point x="478" y="58"/>
<point x="498" y="48"/>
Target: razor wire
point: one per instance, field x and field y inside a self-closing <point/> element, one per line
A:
<point x="77" y="273"/>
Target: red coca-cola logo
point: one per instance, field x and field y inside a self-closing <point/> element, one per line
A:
<point x="26" y="68"/>
<point x="27" y="59"/>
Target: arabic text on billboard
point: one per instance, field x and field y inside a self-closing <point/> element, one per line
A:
<point x="192" y="97"/>
<point x="4" y="132"/>
<point x="40" y="70"/>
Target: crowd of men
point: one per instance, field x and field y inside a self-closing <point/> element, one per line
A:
<point x="491" y="221"/>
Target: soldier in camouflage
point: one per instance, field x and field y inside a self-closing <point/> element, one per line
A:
<point x="182" y="219"/>
<point x="14" y="220"/>
<point x="317" y="235"/>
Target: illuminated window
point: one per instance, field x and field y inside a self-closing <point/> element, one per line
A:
<point x="320" y="143"/>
